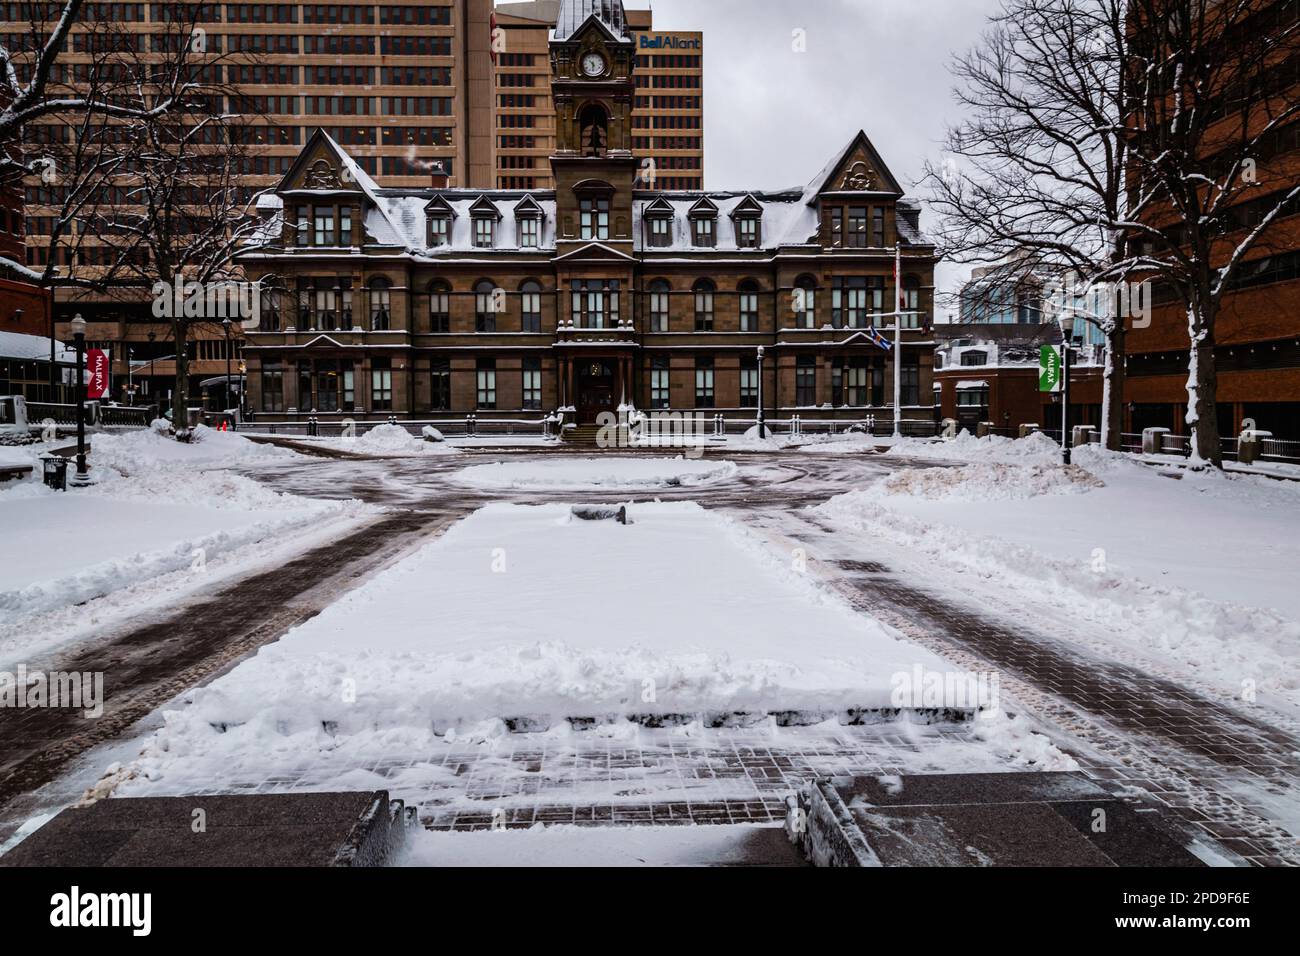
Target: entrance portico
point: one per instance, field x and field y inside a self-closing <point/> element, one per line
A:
<point x="595" y="381"/>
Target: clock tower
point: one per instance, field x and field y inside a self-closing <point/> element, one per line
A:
<point x="593" y="55"/>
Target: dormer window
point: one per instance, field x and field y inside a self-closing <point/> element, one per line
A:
<point x="528" y="223"/>
<point x="747" y="218"/>
<point x="439" y="231"/>
<point x="661" y="231"/>
<point x="658" y="218"/>
<point x="529" y="232"/>
<point x="439" y="215"/>
<point x="747" y="232"/>
<point x="704" y="231"/>
<point x="484" y="214"/>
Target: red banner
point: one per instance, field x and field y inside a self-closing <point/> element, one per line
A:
<point x="99" y="376"/>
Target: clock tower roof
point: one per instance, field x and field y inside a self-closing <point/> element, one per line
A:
<point x="574" y="14"/>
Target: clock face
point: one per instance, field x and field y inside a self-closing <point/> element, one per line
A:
<point x="593" y="64"/>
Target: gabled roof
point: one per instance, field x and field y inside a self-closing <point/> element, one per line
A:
<point x="574" y="15"/>
<point x="324" y="340"/>
<point x="595" y="251"/>
<point x="749" y="206"/>
<point x="483" y="206"/>
<point x="526" y="207"/>
<point x="704" y="208"/>
<point x="351" y="177"/>
<point x="438" y="206"/>
<point x="660" y="207"/>
<point x="852" y="169"/>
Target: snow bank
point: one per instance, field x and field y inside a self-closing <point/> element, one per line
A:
<point x="605" y="472"/>
<point x="1035" y="449"/>
<point x="1196" y="575"/>
<point x="390" y="441"/>
<point x="152" y="510"/>
<point x="991" y="482"/>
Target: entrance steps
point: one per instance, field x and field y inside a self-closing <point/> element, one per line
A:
<point x="586" y="435"/>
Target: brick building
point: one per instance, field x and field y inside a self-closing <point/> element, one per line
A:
<point x="1257" y="351"/>
<point x="510" y="303"/>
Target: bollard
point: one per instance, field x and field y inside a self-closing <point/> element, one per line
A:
<point x="1152" y="440"/>
<point x="982" y="429"/>
<point x="1027" y="429"/>
<point x="1082" y="435"/>
<point x="1249" y="444"/>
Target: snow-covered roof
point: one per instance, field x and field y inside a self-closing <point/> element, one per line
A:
<point x="17" y="345"/>
<point x="398" y="217"/>
<point x="785" y="220"/>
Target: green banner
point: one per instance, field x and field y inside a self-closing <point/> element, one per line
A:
<point x="1049" y="369"/>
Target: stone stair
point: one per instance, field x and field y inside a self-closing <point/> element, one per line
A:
<point x="581" y="435"/>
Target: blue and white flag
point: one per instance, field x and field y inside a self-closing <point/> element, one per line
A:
<point x="879" y="339"/>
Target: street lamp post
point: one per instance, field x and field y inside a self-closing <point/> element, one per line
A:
<point x="762" y="427"/>
<point x="79" y="340"/>
<point x="225" y="324"/>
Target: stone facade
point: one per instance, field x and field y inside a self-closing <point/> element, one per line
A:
<point x="435" y="302"/>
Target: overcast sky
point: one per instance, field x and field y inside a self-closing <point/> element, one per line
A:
<point x="773" y="117"/>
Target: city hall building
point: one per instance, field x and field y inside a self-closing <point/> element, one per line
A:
<point x="440" y="302"/>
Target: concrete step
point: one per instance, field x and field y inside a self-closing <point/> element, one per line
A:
<point x="358" y="829"/>
<point x="980" y="819"/>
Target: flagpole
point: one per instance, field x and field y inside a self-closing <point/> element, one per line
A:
<point x="898" y="337"/>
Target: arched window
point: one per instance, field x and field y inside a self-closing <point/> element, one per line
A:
<point x="748" y="290"/>
<point x="530" y="306"/>
<point x="803" y="302"/>
<point x="488" y="301"/>
<point x="439" y="306"/>
<point x="659" y="290"/>
<point x="593" y="124"/>
<point x="381" y="305"/>
<point x="704" y="290"/>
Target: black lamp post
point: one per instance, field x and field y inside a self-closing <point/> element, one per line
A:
<point x="79" y="340"/>
<point x="225" y="325"/>
<point x="762" y="427"/>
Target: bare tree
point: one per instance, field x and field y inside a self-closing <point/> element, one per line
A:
<point x="1214" y="84"/>
<point x="1038" y="168"/>
<point x="38" y="84"/>
<point x="1122" y="139"/>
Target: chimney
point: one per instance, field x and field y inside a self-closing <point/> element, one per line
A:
<point x="439" y="175"/>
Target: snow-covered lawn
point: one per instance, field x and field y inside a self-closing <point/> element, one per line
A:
<point x="1199" y="572"/>
<point x="597" y="472"/>
<point x="157" y="507"/>
<point x="529" y="611"/>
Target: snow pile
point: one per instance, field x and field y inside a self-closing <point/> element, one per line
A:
<point x="389" y="441"/>
<point x="986" y="482"/>
<point x="1034" y="449"/>
<point x="137" y="451"/>
<point x="582" y="473"/>
<point x="1195" y="576"/>
<point x="152" y="510"/>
